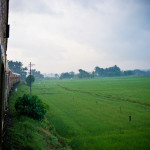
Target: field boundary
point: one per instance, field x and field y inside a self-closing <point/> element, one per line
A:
<point x="104" y="95"/>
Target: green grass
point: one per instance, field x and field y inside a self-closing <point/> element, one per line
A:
<point x="94" y="114"/>
<point x="30" y="134"/>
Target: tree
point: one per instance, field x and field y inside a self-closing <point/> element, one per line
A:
<point x="17" y="67"/>
<point x="37" y="74"/>
<point x="93" y="74"/>
<point x="108" y="72"/>
<point x="56" y="75"/>
<point x="128" y="73"/>
<point x="28" y="79"/>
<point x="83" y="74"/>
<point x="99" y="71"/>
<point x="65" y="75"/>
<point x="72" y="74"/>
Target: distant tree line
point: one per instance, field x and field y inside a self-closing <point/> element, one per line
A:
<point x="113" y="71"/>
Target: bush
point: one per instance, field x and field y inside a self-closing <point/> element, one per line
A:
<point x="31" y="106"/>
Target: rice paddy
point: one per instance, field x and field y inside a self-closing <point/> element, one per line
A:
<point x="93" y="114"/>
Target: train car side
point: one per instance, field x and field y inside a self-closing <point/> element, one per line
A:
<point x="7" y="77"/>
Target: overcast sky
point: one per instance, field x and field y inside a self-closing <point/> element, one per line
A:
<point x="66" y="35"/>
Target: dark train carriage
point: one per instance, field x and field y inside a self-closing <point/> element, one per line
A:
<point x="7" y="77"/>
<point x="10" y="79"/>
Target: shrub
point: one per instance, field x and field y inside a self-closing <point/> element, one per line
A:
<point x="31" y="106"/>
<point x="30" y="77"/>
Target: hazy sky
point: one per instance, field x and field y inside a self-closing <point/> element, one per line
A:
<point x="67" y="35"/>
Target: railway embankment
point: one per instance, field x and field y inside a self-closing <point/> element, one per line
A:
<point x="24" y="133"/>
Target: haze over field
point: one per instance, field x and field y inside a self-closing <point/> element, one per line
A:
<point x="66" y="35"/>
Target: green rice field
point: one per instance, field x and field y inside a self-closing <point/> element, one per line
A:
<point x="93" y="114"/>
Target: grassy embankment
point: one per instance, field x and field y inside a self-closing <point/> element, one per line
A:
<point x="30" y="134"/>
<point x="92" y="114"/>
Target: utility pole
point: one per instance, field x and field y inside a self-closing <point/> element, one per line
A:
<point x="30" y="65"/>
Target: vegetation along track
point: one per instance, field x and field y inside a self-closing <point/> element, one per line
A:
<point x="110" y="97"/>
